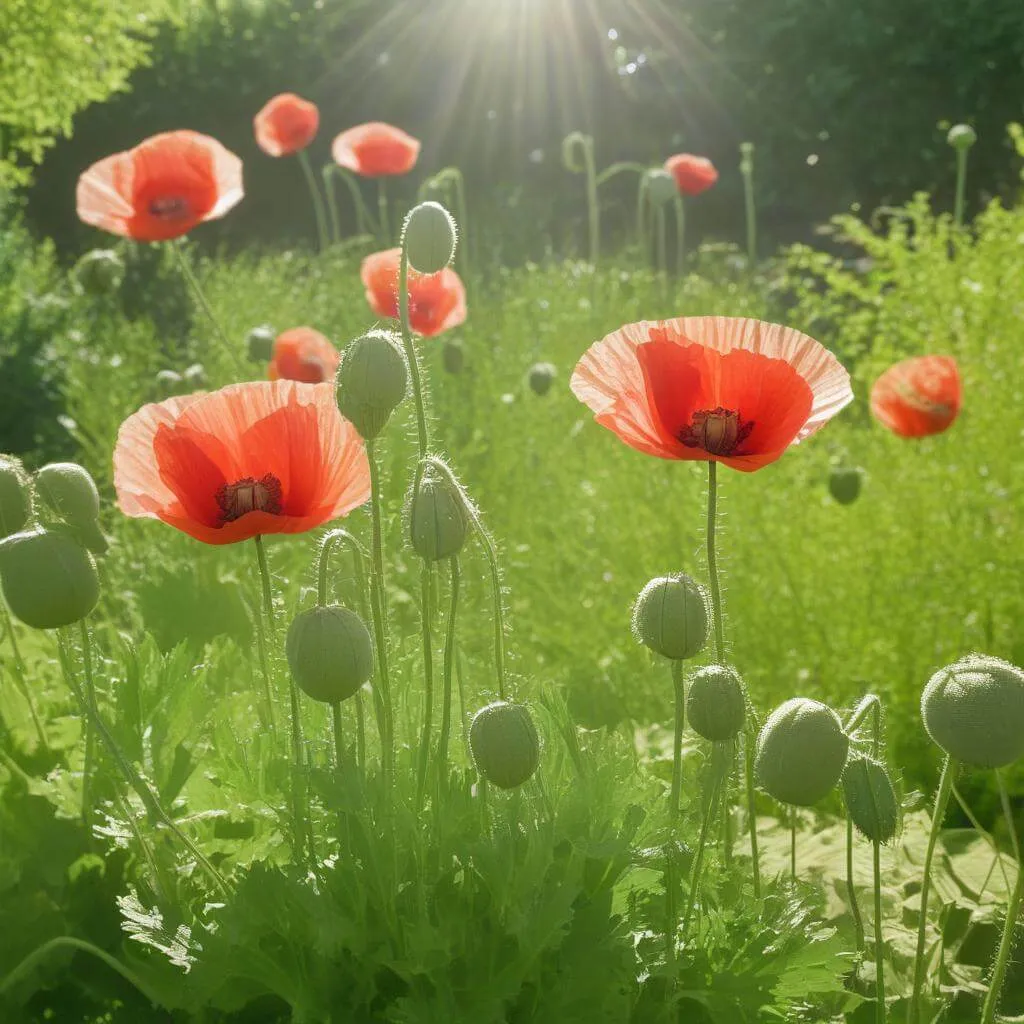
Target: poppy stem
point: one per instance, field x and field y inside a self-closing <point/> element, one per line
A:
<point x="318" y="203"/>
<point x="716" y="593"/>
<point x="585" y="145"/>
<point x="197" y="291"/>
<point x="710" y="810"/>
<point x="662" y="247"/>
<point x="261" y="648"/>
<point x="961" y="184"/>
<point x="749" y="739"/>
<point x="747" y="170"/>
<point x="449" y="658"/>
<point x="642" y="199"/>
<point x="382" y="211"/>
<point x="364" y="222"/>
<point x="792" y="845"/>
<point x="679" y="685"/>
<point x="876" y="870"/>
<point x="339" y="744"/>
<point x="680" y="208"/>
<point x="428" y="680"/>
<point x="411" y="356"/>
<point x="851" y="893"/>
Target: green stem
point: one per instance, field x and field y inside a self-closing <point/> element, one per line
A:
<point x="411" y="355"/>
<point x="880" y="1011"/>
<point x="747" y="170"/>
<point x="985" y="834"/>
<point x="680" y="209"/>
<point x="197" y="291"/>
<point x="792" y="845"/>
<point x="585" y="145"/>
<point x="868" y="703"/>
<point x="364" y="221"/>
<point x="941" y="801"/>
<point x="679" y="686"/>
<point x="961" y="184"/>
<point x="428" y="682"/>
<point x="318" y="203"/>
<point x="378" y="598"/>
<point x="261" y="650"/>
<point x="748" y="772"/>
<point x="851" y="893"/>
<point x="339" y="744"/>
<point x="641" y="220"/>
<point x="662" y="245"/>
<point x="716" y="593"/>
<point x="449" y="658"/>
<point x="622" y="167"/>
<point x="382" y="210"/>
<point x="698" y="863"/>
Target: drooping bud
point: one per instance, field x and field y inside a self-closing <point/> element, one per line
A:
<point x="801" y="752"/>
<point x="99" y="272"/>
<point x="454" y="356"/>
<point x="329" y="652"/>
<point x="671" y="616"/>
<point x="48" y="578"/>
<point x="974" y="710"/>
<point x="505" y="744"/>
<point x="661" y="186"/>
<point x="871" y="798"/>
<point x="194" y="377"/>
<point x="438" y="522"/>
<point x="541" y="377"/>
<point x="716" y="704"/>
<point x="429" y="237"/>
<point x="68" y="490"/>
<point x="15" y="496"/>
<point x="844" y="483"/>
<point x="371" y="381"/>
<point x="962" y="136"/>
<point x="260" y="343"/>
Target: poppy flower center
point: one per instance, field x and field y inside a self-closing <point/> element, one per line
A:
<point x="169" y="208"/>
<point x="249" y="495"/>
<point x="718" y="431"/>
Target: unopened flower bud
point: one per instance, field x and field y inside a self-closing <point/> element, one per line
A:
<point x="260" y="343"/>
<point x="329" y="652"/>
<point x="974" y="710"/>
<point x="454" y="356"/>
<point x="99" y="272"/>
<point x="371" y="381"/>
<point x="48" y="578"/>
<point x="438" y="522"/>
<point x="871" y="798"/>
<point x="962" y="136"/>
<point x="505" y="744"/>
<point x="716" y="704"/>
<point x="429" y="237"/>
<point x="15" y="496"/>
<point x="671" y="616"/>
<point x="844" y="483"/>
<point x="68" y="490"/>
<point x="541" y="377"/>
<point x="661" y="187"/>
<point x="801" y="752"/>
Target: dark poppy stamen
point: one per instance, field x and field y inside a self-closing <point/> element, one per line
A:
<point x="249" y="495"/>
<point x="171" y="208"/>
<point x="718" y="431"/>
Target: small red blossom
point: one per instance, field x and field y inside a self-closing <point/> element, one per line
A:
<point x="305" y="355"/>
<point x="286" y="125"/>
<point x="437" y="302"/>
<point x="693" y="174"/>
<point x="376" y="150"/>
<point x="918" y="396"/>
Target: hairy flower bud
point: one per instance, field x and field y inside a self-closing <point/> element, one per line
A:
<point x="844" y="483"/>
<point x="661" y="186"/>
<point x="438" y="522"/>
<point x="505" y="744"/>
<point x="974" y="710"/>
<point x="15" y="496"/>
<point x="329" y="652"/>
<point x="716" y="704"/>
<point x="671" y="616"/>
<point x="871" y="798"/>
<point x="260" y="343"/>
<point x="541" y="377"/>
<point x="801" y="752"/>
<point x="429" y="237"/>
<point x="962" y="136"/>
<point x="68" y="490"/>
<point x="371" y="381"/>
<point x="99" y="272"/>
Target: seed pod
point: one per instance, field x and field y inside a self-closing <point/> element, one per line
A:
<point x="671" y="616"/>
<point x="661" y="187"/>
<point x="99" y="272"/>
<point x="15" y="496"/>
<point x="962" y="136"/>
<point x="505" y="744"/>
<point x="716" y="704"/>
<point x="454" y="356"/>
<point x="329" y="652"/>
<point x="371" y="381"/>
<point x="541" y="377"/>
<point x="844" y="483"/>
<point x="871" y="798"/>
<point x="438" y="523"/>
<point x="68" y="490"/>
<point x="429" y="237"/>
<point x="974" y="710"/>
<point x="801" y="752"/>
<point x="260" y="343"/>
<point x="49" y="579"/>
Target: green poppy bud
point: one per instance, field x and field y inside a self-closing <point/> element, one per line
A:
<point x="716" y="704"/>
<point x="438" y="522"/>
<point x="329" y="652"/>
<point x="962" y="136"/>
<point x="844" y="483"/>
<point x="371" y="381"/>
<point x="68" y="490"/>
<point x="671" y="616"/>
<point x="99" y="272"/>
<point x="661" y="187"/>
<point x="871" y="798"/>
<point x="194" y="377"/>
<point x="541" y="376"/>
<point x="505" y="744"/>
<point x="454" y="356"/>
<point x="429" y="237"/>
<point x="260" y="343"/>
<point x="801" y="752"/>
<point x="15" y="496"/>
<point x="974" y="710"/>
<point x="49" y="579"/>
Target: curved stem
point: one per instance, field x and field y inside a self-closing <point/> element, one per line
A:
<point x="868" y="703"/>
<point x="747" y="170"/>
<point x="716" y="593"/>
<point x="585" y="145"/>
<point x="449" y="658"/>
<point x="197" y="291"/>
<point x="621" y="167"/>
<point x="318" y="203"/>
<point x="428" y="681"/>
<point x="357" y="564"/>
<point x="411" y="355"/>
<point x="679" y="686"/>
<point x="365" y="223"/>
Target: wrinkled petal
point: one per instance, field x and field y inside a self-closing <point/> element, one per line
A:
<point x="305" y="355"/>
<point x="375" y="150"/>
<point x="918" y="397"/>
<point x="437" y="302"/>
<point x="286" y="125"/>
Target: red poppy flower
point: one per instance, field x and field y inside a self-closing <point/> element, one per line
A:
<point x="250" y="459"/>
<point x="303" y="354"/>
<point x="437" y="302"/>
<point x="917" y="397"/>
<point x="162" y="188"/>
<point x="286" y="124"/>
<point x="711" y="388"/>
<point x="376" y="149"/>
<point x="693" y="174"/>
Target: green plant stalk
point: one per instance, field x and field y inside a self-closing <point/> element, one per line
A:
<point x="986" y="835"/>
<point x="449" y="658"/>
<point x="641" y="220"/>
<point x="851" y="893"/>
<point x="318" y="203"/>
<point x="585" y="144"/>
<point x="261" y="650"/>
<point x="961" y="185"/>
<point x="382" y="211"/>
<point x="876" y="868"/>
<point x="716" y="592"/>
<point x="412" y="358"/>
<point x="339" y="736"/>
<point x="19" y="674"/>
<point x="792" y="844"/>
<point x="428" y="682"/>
<point x="702" y="842"/>
<point x="995" y="988"/>
<point x="747" y="170"/>
<point x="679" y="686"/>
<point x="941" y="801"/>
<point x="621" y="167"/>
<point x="364" y="221"/>
<point x="748" y="773"/>
<point x="680" y="210"/>
<point x="662" y="243"/>
<point x="197" y="291"/>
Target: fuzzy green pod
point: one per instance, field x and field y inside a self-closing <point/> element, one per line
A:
<point x="329" y="652"/>
<point x="68" y="490"/>
<point x="437" y="520"/>
<point x="661" y="187"/>
<point x="716" y="704"/>
<point x="260" y="343"/>
<point x="801" y="752"/>
<point x="15" y="496"/>
<point x="429" y="237"/>
<point x="974" y="710"/>
<point x="99" y="272"/>
<point x="48" y="578"/>
<point x="870" y="797"/>
<point x="541" y="376"/>
<point x="505" y="744"/>
<point x="670" y="616"/>
<point x="371" y="381"/>
<point x="962" y="136"/>
<point x="454" y="356"/>
<point x="844" y="483"/>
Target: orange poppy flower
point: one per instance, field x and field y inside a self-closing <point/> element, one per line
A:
<point x="376" y="149"/>
<point x="711" y="388"/>
<point x="303" y="354"/>
<point x="437" y="302"/>
<point x="918" y="396"/>
<point x="162" y="188"/>
<point x="250" y="459"/>
<point x="286" y="124"/>
<point x="693" y="174"/>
